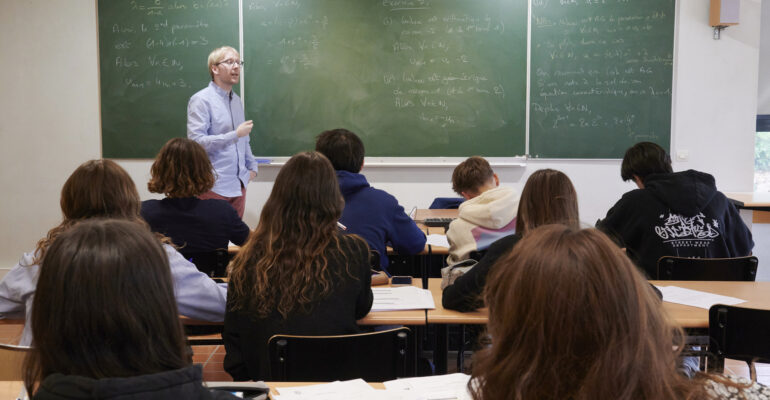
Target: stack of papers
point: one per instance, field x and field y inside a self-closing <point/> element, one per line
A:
<point x="695" y="298"/>
<point x="402" y="298"/>
<point x="443" y="387"/>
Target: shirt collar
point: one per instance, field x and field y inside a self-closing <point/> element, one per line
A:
<point x="221" y="92"/>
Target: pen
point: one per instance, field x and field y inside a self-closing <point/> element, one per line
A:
<point x="343" y="227"/>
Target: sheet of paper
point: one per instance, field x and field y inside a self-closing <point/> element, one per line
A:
<point x="452" y="386"/>
<point x="435" y="239"/>
<point x="695" y="298"/>
<point x="401" y="298"/>
<point x="353" y="389"/>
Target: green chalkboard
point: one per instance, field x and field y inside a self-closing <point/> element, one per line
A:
<point x="411" y="77"/>
<point x="601" y="75"/>
<point x="152" y="58"/>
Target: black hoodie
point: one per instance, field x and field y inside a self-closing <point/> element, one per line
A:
<point x="677" y="214"/>
<point x="178" y="384"/>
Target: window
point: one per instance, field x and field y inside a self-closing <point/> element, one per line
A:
<point x="762" y="155"/>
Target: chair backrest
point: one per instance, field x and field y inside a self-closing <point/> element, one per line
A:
<point x="375" y="357"/>
<point x="707" y="269"/>
<point x="11" y="360"/>
<point x="212" y="263"/>
<point x="739" y="333"/>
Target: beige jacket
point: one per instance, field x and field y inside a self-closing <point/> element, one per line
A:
<point x="482" y="221"/>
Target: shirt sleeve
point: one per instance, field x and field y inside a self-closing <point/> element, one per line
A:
<point x="17" y="287"/>
<point x="199" y="124"/>
<point x="197" y="295"/>
<point x="239" y="231"/>
<point x="406" y="237"/>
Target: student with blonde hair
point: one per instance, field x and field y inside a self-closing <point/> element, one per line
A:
<point x="570" y="317"/>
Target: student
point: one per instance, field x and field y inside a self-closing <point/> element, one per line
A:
<point x="672" y="213"/>
<point x="296" y="274"/>
<point x="371" y="213"/>
<point x="487" y="214"/>
<point x="104" y="323"/>
<point x="548" y="197"/>
<point x="571" y="318"/>
<point x="102" y="189"/>
<point x="182" y="171"/>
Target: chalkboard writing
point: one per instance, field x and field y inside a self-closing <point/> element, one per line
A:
<point x="411" y="77"/>
<point x="152" y="57"/>
<point x="600" y="77"/>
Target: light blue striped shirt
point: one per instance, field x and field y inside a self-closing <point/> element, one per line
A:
<point x="212" y="118"/>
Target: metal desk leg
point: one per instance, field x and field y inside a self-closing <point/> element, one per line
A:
<point x="442" y="348"/>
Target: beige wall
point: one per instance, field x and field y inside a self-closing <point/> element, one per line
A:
<point x="49" y="121"/>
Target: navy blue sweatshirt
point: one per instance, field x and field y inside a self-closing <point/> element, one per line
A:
<point x="377" y="217"/>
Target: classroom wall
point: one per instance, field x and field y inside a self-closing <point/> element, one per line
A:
<point x="763" y="104"/>
<point x="50" y="119"/>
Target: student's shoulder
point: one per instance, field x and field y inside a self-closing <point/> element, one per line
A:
<point x="731" y="387"/>
<point x="353" y="243"/>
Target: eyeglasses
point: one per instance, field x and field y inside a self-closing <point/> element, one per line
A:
<point x="230" y="63"/>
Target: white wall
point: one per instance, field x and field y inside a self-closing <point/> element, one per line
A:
<point x="764" y="63"/>
<point x="50" y="119"/>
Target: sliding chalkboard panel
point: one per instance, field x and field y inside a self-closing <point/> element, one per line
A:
<point x="600" y="76"/>
<point x="411" y="77"/>
<point x="152" y="58"/>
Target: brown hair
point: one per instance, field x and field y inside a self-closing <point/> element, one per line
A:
<point x="181" y="169"/>
<point x="104" y="306"/>
<point x="343" y="148"/>
<point x="572" y="318"/>
<point x="283" y="264"/>
<point x="97" y="188"/>
<point x="470" y="174"/>
<point x="548" y="197"/>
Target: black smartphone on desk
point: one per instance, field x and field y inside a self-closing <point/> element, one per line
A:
<point x="397" y="280"/>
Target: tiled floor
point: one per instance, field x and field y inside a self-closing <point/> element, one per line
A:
<point x="212" y="357"/>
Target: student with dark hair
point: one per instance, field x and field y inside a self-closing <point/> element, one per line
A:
<point x="132" y="343"/>
<point x="548" y="197"/>
<point x="102" y="189"/>
<point x="371" y="213"/>
<point x="296" y="274"/>
<point x="571" y="318"/>
<point x="488" y="214"/>
<point x="182" y="171"/>
<point x="672" y="213"/>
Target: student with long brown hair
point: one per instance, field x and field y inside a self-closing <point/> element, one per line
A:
<point x="182" y="171"/>
<point x="548" y="197"/>
<point x="102" y="189"/>
<point x="570" y="317"/>
<point x="296" y="274"/>
<point x="104" y="323"/>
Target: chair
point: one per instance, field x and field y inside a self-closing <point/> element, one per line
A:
<point x="739" y="333"/>
<point x="375" y="357"/>
<point x="212" y="263"/>
<point x="707" y="269"/>
<point x="11" y="360"/>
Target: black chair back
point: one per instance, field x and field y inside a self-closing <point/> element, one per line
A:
<point x="707" y="269"/>
<point x="375" y="357"/>
<point x="212" y="263"/>
<point x="739" y="333"/>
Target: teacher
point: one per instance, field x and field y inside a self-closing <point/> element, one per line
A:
<point x="215" y="119"/>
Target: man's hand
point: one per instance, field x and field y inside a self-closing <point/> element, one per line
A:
<point x="244" y="129"/>
<point x="252" y="175"/>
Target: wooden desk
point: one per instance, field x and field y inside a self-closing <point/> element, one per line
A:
<point x="750" y="200"/>
<point x="11" y="389"/>
<point x="756" y="294"/>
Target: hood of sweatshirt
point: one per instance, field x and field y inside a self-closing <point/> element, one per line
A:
<point x="687" y="192"/>
<point x="351" y="182"/>
<point x="492" y="209"/>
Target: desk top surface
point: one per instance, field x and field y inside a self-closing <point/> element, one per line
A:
<point x="751" y="199"/>
<point x="756" y="294"/>
<point x="11" y="389"/>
